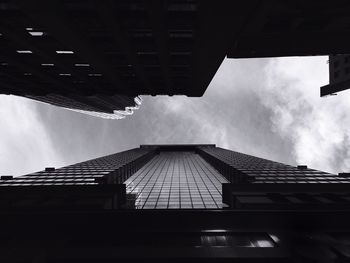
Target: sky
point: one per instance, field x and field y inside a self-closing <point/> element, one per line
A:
<point x="269" y="108"/>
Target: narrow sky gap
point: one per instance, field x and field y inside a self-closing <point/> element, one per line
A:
<point x="275" y="113"/>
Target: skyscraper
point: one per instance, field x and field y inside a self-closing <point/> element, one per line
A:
<point x="97" y="56"/>
<point x="176" y="202"/>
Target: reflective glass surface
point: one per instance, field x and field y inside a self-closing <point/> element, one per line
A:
<point x="176" y="180"/>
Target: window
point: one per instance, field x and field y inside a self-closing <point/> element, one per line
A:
<point x="336" y="74"/>
<point x="347" y="59"/>
<point x="336" y="63"/>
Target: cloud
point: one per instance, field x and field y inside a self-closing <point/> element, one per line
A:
<point x="318" y="127"/>
<point x="264" y="107"/>
<point x="230" y="114"/>
<point x="25" y="145"/>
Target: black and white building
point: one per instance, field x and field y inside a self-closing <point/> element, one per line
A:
<point x="189" y="203"/>
<point x="97" y="56"/>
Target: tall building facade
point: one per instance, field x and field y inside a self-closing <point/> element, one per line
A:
<point x="96" y="57"/>
<point x="192" y="203"/>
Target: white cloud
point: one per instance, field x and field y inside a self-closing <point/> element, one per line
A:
<point x="319" y="127"/>
<point x="264" y="107"/>
<point x="25" y="145"/>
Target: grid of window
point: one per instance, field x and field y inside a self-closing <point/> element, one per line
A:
<point x="141" y="52"/>
<point x="259" y="170"/>
<point x="119" y="165"/>
<point x="177" y="180"/>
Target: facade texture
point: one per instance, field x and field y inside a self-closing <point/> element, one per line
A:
<point x="107" y="107"/>
<point x="176" y="202"/>
<point x="177" y="180"/>
<point x="90" y="55"/>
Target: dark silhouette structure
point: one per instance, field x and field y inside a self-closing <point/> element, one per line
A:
<point x="188" y="203"/>
<point x="339" y="75"/>
<point x="96" y="56"/>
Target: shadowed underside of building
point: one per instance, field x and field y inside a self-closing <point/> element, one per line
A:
<point x="339" y="75"/>
<point x="188" y="203"/>
<point x="96" y="56"/>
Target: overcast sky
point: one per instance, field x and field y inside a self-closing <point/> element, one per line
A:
<point x="269" y="108"/>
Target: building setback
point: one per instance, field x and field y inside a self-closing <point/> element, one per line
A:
<point x="176" y="202"/>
